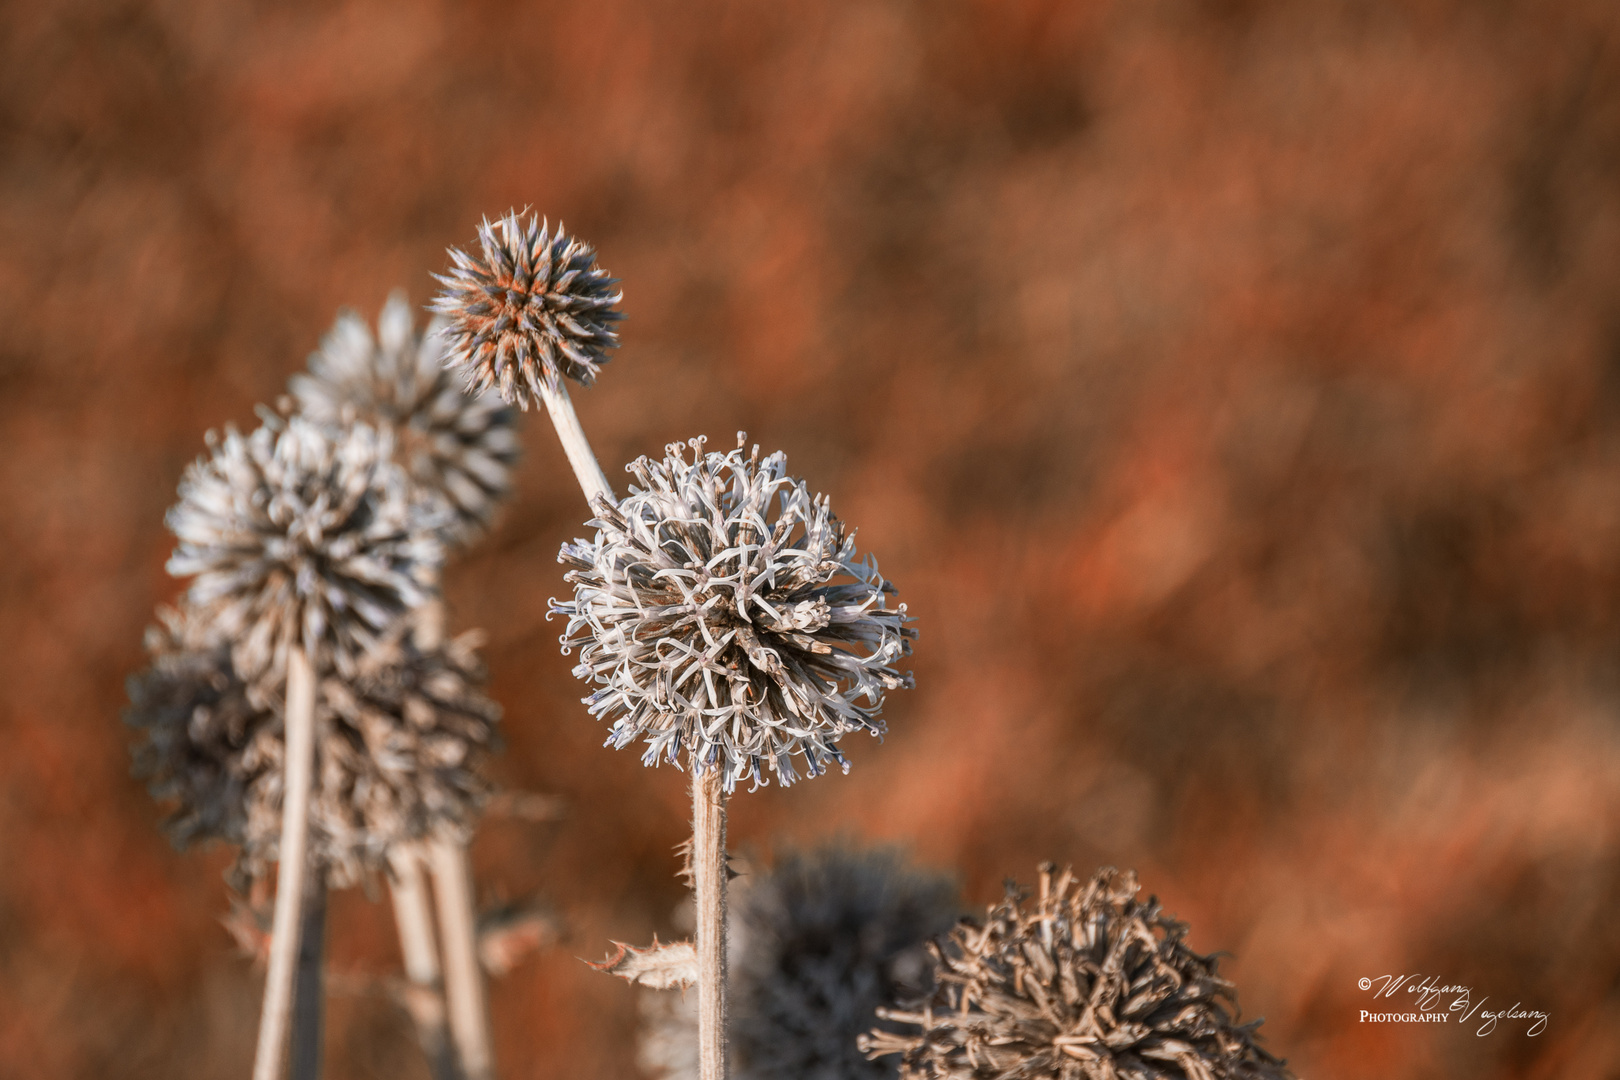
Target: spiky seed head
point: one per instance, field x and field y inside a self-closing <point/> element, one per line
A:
<point x="825" y="938"/>
<point x="302" y="535"/>
<point x="723" y="614"/>
<point x="195" y="721"/>
<point x="530" y="309"/>
<point x="399" y="751"/>
<point x="460" y="445"/>
<point x="1086" y="982"/>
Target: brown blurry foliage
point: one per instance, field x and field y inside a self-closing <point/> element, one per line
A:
<point x="1232" y="389"/>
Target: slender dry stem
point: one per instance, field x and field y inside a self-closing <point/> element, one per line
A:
<point x="298" y="773"/>
<point x="463" y="978"/>
<point x="413" y="915"/>
<point x="709" y="881"/>
<point x="591" y="478"/>
<point x="309" y="992"/>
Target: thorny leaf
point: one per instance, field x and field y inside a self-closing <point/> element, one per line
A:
<point x="660" y="967"/>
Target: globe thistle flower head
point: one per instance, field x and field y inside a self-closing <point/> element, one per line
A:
<point x="825" y="938"/>
<point x="530" y="309"/>
<point x="398" y="752"/>
<point x="459" y="445"/>
<point x="195" y="720"/>
<point x="722" y="612"/>
<point x="300" y="535"/>
<point x="1087" y="982"/>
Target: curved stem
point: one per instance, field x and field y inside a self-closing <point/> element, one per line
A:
<point x="298" y="770"/>
<point x="592" y="480"/>
<point x="709" y="881"/>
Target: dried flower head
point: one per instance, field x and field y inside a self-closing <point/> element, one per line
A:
<point x="722" y="612"/>
<point x="535" y="307"/>
<point x="825" y="938"/>
<point x="301" y="535"/>
<point x="195" y="720"/>
<point x="398" y="749"/>
<point x="459" y="445"/>
<point x="1087" y="983"/>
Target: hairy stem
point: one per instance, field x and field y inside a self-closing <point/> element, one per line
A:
<point x="709" y="881"/>
<point x="413" y="915"/>
<point x="463" y="978"/>
<point x="309" y="996"/>
<point x="297" y="775"/>
<point x="591" y="478"/>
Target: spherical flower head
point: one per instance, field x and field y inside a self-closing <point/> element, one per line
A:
<point x="1086" y="982"/>
<point x="300" y="535"/>
<point x="824" y="939"/>
<point x="533" y="308"/>
<point x="722" y="612"/>
<point x="461" y="446"/>
<point x="398" y="757"/>
<point x="195" y="721"/>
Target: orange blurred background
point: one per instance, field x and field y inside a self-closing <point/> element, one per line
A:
<point x="1231" y="388"/>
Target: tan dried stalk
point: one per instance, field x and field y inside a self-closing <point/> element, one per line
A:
<point x="463" y="977"/>
<point x="572" y="436"/>
<point x="413" y="913"/>
<point x="309" y="990"/>
<point x="709" y="882"/>
<point x="287" y="925"/>
<point x="413" y="916"/>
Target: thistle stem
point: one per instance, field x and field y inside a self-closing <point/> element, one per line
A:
<point x="413" y="916"/>
<point x="298" y="773"/>
<point x="591" y="478"/>
<point x="309" y="994"/>
<point x="463" y="978"/>
<point x="709" y="881"/>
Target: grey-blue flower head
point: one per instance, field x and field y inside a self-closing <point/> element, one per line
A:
<point x="723" y="614"/>
<point x="459" y="445"/>
<point x="300" y="535"/>
<point x="533" y="308"/>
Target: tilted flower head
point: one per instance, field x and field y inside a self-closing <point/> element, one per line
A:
<point x="535" y="307"/>
<point x="825" y="938"/>
<point x="458" y="444"/>
<point x="722" y="612"/>
<point x="196" y="721"/>
<point x="398" y="750"/>
<point x="301" y="535"/>
<point x="1088" y="982"/>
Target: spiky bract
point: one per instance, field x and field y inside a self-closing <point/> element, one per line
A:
<point x="722" y="612"/>
<point x="398" y="750"/>
<point x="1087" y="983"/>
<point x="195" y="721"/>
<point x="824" y="939"/>
<point x="302" y="535"/>
<point x="533" y="308"/>
<point x="458" y="444"/>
